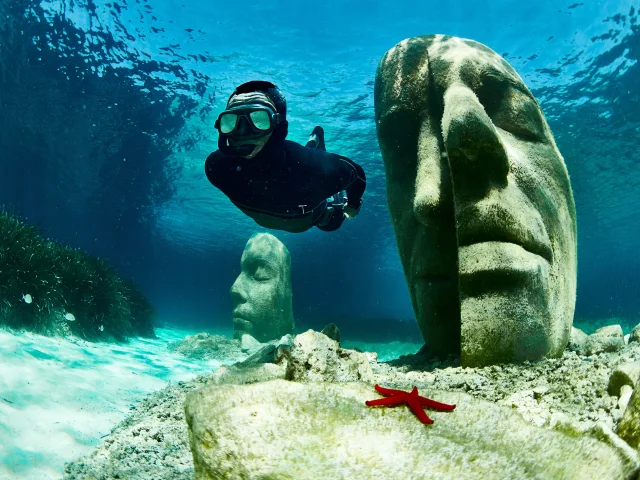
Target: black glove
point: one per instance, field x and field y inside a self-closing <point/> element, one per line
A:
<point x="335" y="206"/>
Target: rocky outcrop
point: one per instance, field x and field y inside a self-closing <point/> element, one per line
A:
<point x="281" y="429"/>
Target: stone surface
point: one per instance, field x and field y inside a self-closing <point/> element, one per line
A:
<point x="605" y="339"/>
<point x="634" y="336"/>
<point x="578" y="341"/>
<point x="625" y="374"/>
<point x="262" y="293"/>
<point x="567" y="394"/>
<point x="315" y="357"/>
<point x="247" y="432"/>
<point x="332" y="332"/>
<point x="625" y="395"/>
<point x="249" y="344"/>
<point x="629" y="426"/>
<point x="485" y="172"/>
<point x="203" y="346"/>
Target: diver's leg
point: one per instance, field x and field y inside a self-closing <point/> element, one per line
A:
<point x="316" y="139"/>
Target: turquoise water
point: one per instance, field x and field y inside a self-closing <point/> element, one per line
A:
<point x="107" y="117"/>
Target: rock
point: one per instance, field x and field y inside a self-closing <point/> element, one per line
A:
<point x="629" y="426"/>
<point x="332" y="332"/>
<point x="281" y="429"/>
<point x="634" y="336"/>
<point x="249" y="344"/>
<point x="266" y="354"/>
<point x="262" y="294"/>
<point x="605" y="339"/>
<point x="315" y="357"/>
<point x="626" y="338"/>
<point x="203" y="346"/>
<point x="625" y="374"/>
<point x="604" y="433"/>
<point x="540" y="391"/>
<point x="625" y="395"/>
<point x="578" y="341"/>
<point x="471" y="180"/>
<point x="242" y="374"/>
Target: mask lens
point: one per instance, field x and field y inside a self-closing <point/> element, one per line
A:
<point x="260" y="119"/>
<point x="228" y="122"/>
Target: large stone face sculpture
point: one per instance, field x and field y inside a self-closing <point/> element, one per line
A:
<point x="480" y="202"/>
<point x="262" y="292"/>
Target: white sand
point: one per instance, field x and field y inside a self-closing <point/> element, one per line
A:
<point x="58" y="398"/>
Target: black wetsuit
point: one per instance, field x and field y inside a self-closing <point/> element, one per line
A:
<point x="286" y="186"/>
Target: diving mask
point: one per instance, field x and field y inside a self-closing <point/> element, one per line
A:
<point x="259" y="118"/>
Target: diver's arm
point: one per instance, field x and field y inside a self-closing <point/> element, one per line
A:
<point x="358" y="183"/>
<point x="210" y="169"/>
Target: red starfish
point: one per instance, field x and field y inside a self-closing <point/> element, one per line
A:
<point x="415" y="402"/>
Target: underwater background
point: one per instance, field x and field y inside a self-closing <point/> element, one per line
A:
<point x="108" y="110"/>
<point x="106" y="118"/>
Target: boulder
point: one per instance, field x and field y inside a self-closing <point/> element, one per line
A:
<point x="303" y="431"/>
<point x="635" y="334"/>
<point x="316" y="357"/>
<point x="605" y="339"/>
<point x="249" y="344"/>
<point x="332" y="332"/>
<point x="578" y="341"/>
<point x="625" y="374"/>
<point x="203" y="346"/>
<point x="629" y="426"/>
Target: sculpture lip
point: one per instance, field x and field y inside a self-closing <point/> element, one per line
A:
<point x="501" y="225"/>
<point x="240" y="319"/>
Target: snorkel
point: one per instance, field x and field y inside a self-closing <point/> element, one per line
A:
<point x="236" y="135"/>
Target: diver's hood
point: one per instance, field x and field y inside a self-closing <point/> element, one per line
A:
<point x="274" y="144"/>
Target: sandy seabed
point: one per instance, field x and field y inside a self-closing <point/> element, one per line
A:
<point x="58" y="397"/>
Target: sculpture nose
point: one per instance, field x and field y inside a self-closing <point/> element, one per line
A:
<point x="238" y="294"/>
<point x="477" y="157"/>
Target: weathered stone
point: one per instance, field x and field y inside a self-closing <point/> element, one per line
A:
<point x="203" y="346"/>
<point x="249" y="344"/>
<point x="282" y="429"/>
<point x="629" y="426"/>
<point x="625" y="374"/>
<point x="483" y="210"/>
<point x="332" y="332"/>
<point x="262" y="294"/>
<point x="625" y="395"/>
<point x="635" y="334"/>
<point x="605" y="339"/>
<point x="315" y="357"/>
<point x="578" y="341"/>
<point x="242" y="374"/>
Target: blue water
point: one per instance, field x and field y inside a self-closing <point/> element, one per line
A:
<point x="108" y="110"/>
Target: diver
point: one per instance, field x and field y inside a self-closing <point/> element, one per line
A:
<point x="281" y="184"/>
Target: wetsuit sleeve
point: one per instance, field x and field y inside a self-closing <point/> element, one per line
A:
<point x="356" y="188"/>
<point x="211" y="170"/>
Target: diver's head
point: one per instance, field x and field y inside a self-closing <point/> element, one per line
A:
<point x="255" y="115"/>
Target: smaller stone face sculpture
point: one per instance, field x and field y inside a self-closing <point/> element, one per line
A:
<point x="262" y="292"/>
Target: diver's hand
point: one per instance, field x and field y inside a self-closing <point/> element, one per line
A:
<point x="352" y="212"/>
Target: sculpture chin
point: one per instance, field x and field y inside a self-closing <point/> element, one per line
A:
<point x="242" y="326"/>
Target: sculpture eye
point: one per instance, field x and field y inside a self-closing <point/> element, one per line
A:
<point x="399" y="129"/>
<point x="511" y="109"/>
<point x="262" y="273"/>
